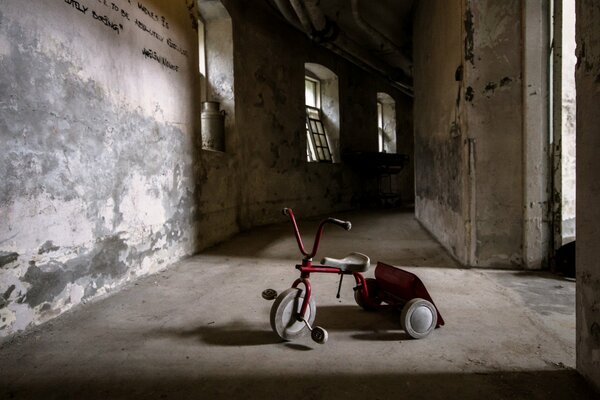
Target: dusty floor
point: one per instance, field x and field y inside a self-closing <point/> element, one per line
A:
<point x="201" y="330"/>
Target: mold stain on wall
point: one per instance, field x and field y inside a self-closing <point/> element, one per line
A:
<point x="95" y="192"/>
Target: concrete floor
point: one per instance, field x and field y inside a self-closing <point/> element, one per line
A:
<point x="201" y="330"/>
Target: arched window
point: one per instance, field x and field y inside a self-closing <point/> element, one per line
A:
<point x="386" y="123"/>
<point x="322" y="114"/>
<point x="215" y="58"/>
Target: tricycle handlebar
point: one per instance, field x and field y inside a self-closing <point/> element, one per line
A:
<point x="347" y="225"/>
<point x="344" y="224"/>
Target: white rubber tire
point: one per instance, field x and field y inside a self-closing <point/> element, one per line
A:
<point x="284" y="311"/>
<point x="319" y="335"/>
<point x="418" y="318"/>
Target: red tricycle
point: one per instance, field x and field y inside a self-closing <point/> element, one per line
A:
<point x="294" y="310"/>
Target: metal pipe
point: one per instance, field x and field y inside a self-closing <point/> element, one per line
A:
<point x="406" y="64"/>
<point x="315" y="14"/>
<point x="356" y="55"/>
<point x="337" y="41"/>
<point x="325" y="29"/>
<point x="346" y="44"/>
<point x="285" y="9"/>
<point x="298" y="7"/>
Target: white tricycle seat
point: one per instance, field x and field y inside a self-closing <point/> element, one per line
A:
<point x="353" y="262"/>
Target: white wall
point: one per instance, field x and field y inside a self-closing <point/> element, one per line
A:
<point x="98" y="125"/>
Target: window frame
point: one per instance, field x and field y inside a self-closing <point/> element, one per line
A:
<point x="380" y="124"/>
<point x="387" y="129"/>
<point x="318" y="147"/>
<point x="317" y="90"/>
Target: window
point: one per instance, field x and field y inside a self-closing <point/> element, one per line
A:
<point x="202" y="57"/>
<point x="318" y="146"/>
<point x="322" y="114"/>
<point x="380" y="126"/>
<point x="386" y="123"/>
<point x="215" y="66"/>
<point x="312" y="92"/>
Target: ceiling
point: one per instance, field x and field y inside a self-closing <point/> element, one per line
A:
<point x="380" y="29"/>
<point x="392" y="18"/>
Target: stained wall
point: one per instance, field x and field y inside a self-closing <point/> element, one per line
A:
<point x="441" y="139"/>
<point x="469" y="131"/>
<point x="494" y="73"/>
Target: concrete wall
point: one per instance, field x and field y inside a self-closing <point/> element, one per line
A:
<point x="104" y="178"/>
<point x="469" y="130"/>
<point x="440" y="136"/>
<point x="588" y="189"/>
<point x="493" y="74"/>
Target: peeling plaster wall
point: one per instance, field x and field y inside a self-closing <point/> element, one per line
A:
<point x="439" y="140"/>
<point x="588" y="189"/>
<point x="97" y="131"/>
<point x="103" y="176"/>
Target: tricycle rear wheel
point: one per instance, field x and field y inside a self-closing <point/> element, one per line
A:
<point x="370" y="303"/>
<point x="418" y="318"/>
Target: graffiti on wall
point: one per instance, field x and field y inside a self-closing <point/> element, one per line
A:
<point x="119" y="14"/>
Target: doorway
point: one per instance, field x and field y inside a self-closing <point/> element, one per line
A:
<point x="562" y="121"/>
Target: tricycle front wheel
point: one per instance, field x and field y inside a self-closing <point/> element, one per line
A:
<point x="284" y="314"/>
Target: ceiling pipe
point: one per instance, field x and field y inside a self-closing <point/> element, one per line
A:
<point x="329" y="35"/>
<point x="369" y="67"/>
<point x="288" y="13"/>
<point x="378" y="37"/>
<point x="298" y="7"/>
<point x="327" y="32"/>
<point x="317" y="17"/>
<point x="349" y="46"/>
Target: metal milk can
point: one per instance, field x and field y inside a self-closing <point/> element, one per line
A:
<point x="212" y="126"/>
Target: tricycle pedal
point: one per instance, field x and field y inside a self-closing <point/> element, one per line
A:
<point x="269" y="294"/>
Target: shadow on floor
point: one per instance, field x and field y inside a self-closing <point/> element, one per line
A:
<point x="542" y="275"/>
<point x="370" y="326"/>
<point x="317" y="384"/>
<point x="230" y="335"/>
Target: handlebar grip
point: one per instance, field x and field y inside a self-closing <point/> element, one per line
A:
<point x="347" y="225"/>
<point x="285" y="211"/>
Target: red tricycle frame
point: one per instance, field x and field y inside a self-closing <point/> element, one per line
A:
<point x="395" y="286"/>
